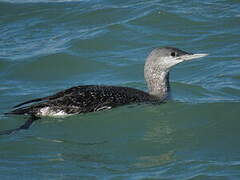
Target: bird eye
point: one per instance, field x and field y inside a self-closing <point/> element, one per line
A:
<point x="173" y="54"/>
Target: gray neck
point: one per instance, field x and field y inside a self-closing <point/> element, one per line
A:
<point x="157" y="81"/>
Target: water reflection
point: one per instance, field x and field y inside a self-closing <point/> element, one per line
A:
<point x="156" y="160"/>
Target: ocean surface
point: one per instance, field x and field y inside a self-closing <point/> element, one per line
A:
<point x="50" y="45"/>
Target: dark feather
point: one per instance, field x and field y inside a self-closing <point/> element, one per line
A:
<point x="82" y="99"/>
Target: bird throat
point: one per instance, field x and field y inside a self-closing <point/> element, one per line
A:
<point x="158" y="83"/>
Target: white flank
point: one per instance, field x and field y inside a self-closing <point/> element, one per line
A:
<point x="47" y="111"/>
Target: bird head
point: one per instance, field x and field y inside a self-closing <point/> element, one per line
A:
<point x="167" y="57"/>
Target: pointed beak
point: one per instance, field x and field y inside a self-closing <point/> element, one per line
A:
<point x="187" y="57"/>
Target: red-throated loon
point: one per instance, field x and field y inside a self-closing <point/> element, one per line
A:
<point x="90" y="98"/>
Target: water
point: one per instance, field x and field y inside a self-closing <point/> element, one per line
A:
<point x="49" y="45"/>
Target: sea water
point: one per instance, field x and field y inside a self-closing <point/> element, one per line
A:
<point x="50" y="45"/>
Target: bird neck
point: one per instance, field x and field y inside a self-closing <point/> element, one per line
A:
<point x="157" y="81"/>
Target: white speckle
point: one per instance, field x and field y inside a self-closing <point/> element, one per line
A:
<point x="103" y="108"/>
<point x="47" y="111"/>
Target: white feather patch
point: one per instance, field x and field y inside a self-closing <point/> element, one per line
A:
<point x="47" y="111"/>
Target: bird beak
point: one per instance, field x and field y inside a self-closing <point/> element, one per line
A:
<point x="187" y="57"/>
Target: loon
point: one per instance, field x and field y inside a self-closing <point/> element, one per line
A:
<point x="90" y="98"/>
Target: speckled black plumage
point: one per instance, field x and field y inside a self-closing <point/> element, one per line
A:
<point x="82" y="99"/>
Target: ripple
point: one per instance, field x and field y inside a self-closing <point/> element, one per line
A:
<point x="42" y="1"/>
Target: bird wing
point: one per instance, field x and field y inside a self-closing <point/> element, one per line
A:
<point x="52" y="97"/>
<point x="81" y="99"/>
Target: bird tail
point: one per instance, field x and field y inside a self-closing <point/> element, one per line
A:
<point x="31" y="101"/>
<point x="20" y="111"/>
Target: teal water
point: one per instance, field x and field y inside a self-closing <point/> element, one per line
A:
<point x="50" y="45"/>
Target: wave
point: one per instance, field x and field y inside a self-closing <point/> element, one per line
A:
<point x="41" y="1"/>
